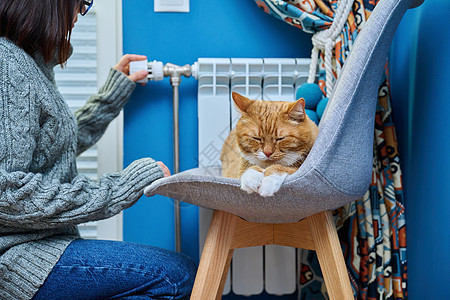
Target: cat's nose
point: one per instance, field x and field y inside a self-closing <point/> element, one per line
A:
<point x="268" y="153"/>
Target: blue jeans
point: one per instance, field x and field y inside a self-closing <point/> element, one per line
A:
<point x="94" y="269"/>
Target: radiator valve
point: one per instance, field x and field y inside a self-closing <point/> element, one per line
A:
<point x="157" y="71"/>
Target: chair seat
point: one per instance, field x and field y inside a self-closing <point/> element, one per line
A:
<point x="205" y="187"/>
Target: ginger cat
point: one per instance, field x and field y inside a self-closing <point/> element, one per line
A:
<point x="271" y="140"/>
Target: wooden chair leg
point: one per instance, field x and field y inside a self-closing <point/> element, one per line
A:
<point x="329" y="253"/>
<point x="215" y="258"/>
<point x="224" y="275"/>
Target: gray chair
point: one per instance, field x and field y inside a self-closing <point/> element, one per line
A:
<point x="337" y="171"/>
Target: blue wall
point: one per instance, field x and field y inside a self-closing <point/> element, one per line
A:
<point x="211" y="29"/>
<point x="420" y="79"/>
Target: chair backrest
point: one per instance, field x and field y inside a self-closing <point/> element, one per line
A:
<point x="344" y="148"/>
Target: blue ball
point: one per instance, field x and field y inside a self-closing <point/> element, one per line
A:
<point x="321" y="107"/>
<point x="312" y="94"/>
<point x="312" y="115"/>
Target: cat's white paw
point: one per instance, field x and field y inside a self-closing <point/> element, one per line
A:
<point x="271" y="184"/>
<point x="251" y="180"/>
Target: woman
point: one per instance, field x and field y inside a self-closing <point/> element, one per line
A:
<point x="41" y="196"/>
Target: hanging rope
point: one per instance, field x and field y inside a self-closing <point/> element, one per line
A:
<point x="325" y="41"/>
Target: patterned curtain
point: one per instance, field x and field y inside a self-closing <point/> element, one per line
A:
<point x="372" y="230"/>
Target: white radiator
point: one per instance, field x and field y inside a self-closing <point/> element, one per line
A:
<point x="253" y="270"/>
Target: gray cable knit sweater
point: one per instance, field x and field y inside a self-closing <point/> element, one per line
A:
<point x="42" y="197"/>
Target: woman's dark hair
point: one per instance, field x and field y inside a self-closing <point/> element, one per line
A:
<point x="41" y="26"/>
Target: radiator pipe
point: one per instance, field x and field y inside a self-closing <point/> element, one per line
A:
<point x="175" y="72"/>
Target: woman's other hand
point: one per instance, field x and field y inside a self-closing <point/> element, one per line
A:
<point x="124" y="66"/>
<point x="165" y="168"/>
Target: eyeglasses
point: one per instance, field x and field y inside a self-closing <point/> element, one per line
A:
<point x="85" y="6"/>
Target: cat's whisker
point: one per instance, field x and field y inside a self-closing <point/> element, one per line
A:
<point x="261" y="156"/>
<point x="291" y="158"/>
<point x="251" y="158"/>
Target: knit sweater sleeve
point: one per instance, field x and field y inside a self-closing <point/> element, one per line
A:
<point x="100" y="109"/>
<point x="28" y="201"/>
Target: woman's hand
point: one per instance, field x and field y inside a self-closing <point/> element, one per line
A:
<point x="165" y="168"/>
<point x="124" y="66"/>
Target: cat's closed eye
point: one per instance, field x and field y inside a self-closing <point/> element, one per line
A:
<point x="256" y="138"/>
<point x="279" y="139"/>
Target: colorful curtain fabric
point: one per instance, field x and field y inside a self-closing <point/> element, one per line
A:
<point x="372" y="230"/>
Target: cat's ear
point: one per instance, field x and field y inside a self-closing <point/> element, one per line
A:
<point x="242" y="103"/>
<point x="296" y="110"/>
